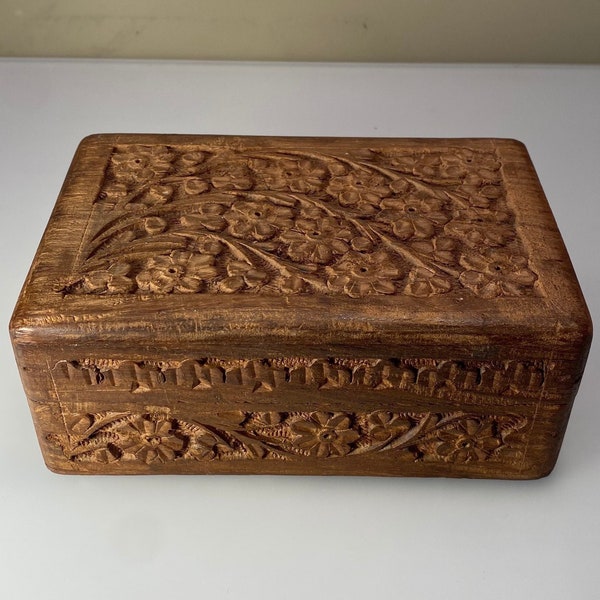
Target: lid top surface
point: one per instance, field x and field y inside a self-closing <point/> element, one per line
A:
<point x="241" y="232"/>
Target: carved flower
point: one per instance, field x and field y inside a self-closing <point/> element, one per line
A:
<point x="439" y="167"/>
<point x="481" y="227"/>
<point x="206" y="244"/>
<point x="498" y="273"/>
<point x="154" y="439"/>
<point x="240" y="275"/>
<point x="413" y="217"/>
<point x="316" y="241"/>
<point x="480" y="192"/>
<point x="324" y="434"/>
<point x="468" y="441"/>
<point x="439" y="249"/>
<point x="191" y="163"/>
<point x="423" y="283"/>
<point x="261" y="220"/>
<point x="156" y="195"/>
<point x="302" y="176"/>
<point x="385" y="425"/>
<point x="209" y="216"/>
<point x="360" y="190"/>
<point x="112" y="280"/>
<point x="180" y="271"/>
<point x="399" y="162"/>
<point x="232" y="176"/>
<point x="360" y="274"/>
<point x="141" y="163"/>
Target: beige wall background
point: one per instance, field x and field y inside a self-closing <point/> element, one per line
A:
<point x="546" y="31"/>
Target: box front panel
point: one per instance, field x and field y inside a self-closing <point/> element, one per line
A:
<point x="419" y="417"/>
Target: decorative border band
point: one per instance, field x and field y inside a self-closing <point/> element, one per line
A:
<point x="161" y="437"/>
<point x="420" y="376"/>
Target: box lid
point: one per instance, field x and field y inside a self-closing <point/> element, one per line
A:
<point x="253" y="246"/>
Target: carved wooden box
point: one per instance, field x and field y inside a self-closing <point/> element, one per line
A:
<point x="204" y="304"/>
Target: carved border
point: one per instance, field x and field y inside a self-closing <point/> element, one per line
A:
<point x="434" y="378"/>
<point x="161" y="437"/>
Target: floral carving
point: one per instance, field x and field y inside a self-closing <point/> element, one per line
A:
<point x="218" y="219"/>
<point x="301" y="176"/>
<point x="258" y="220"/>
<point x="359" y="189"/>
<point x="179" y="271"/>
<point x="496" y="273"/>
<point x="324" y="434"/>
<point x="471" y="440"/>
<point x="361" y="274"/>
<point x="162" y="437"/>
<point x="111" y="280"/>
<point x="153" y="439"/>
<point x="317" y="241"/>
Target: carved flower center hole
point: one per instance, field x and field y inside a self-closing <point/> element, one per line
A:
<point x="465" y="443"/>
<point x="411" y="209"/>
<point x="363" y="269"/>
<point x="289" y="174"/>
<point x="328" y="436"/>
<point x="315" y="233"/>
<point x="171" y="270"/>
<point x="497" y="268"/>
<point x="359" y="183"/>
<point x="257" y="213"/>
<point x="153" y="440"/>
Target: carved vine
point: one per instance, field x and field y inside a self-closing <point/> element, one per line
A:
<point x="173" y="220"/>
<point x="159" y="437"/>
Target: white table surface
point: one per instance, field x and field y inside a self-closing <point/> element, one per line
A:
<point x="216" y="537"/>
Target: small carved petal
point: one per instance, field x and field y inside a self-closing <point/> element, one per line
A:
<point x="307" y="442"/>
<point x="361" y="244"/>
<point x="400" y="186"/>
<point x="339" y="421"/>
<point x="493" y="192"/>
<point x="229" y="285"/>
<point x="472" y="279"/>
<point x="323" y="449"/>
<point x="254" y="277"/>
<point x="339" y="246"/>
<point x="189" y="285"/>
<point x="347" y="436"/>
<point x="403" y="229"/>
<point x="154" y="225"/>
<point x="196" y="186"/>
<point x="292" y="285"/>
<point x="523" y="277"/>
<point x="263" y="231"/>
<point x="357" y="289"/>
<point x="204" y="221"/>
<point x="384" y="287"/>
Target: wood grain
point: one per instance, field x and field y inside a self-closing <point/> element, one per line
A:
<point x="215" y="304"/>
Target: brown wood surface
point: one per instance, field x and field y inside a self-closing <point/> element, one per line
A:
<point x="215" y="304"/>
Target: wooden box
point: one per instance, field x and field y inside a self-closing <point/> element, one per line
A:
<point x="208" y="304"/>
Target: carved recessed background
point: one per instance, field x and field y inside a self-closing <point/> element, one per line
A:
<point x="216" y="219"/>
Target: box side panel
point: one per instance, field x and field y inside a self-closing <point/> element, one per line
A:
<point x="411" y="417"/>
